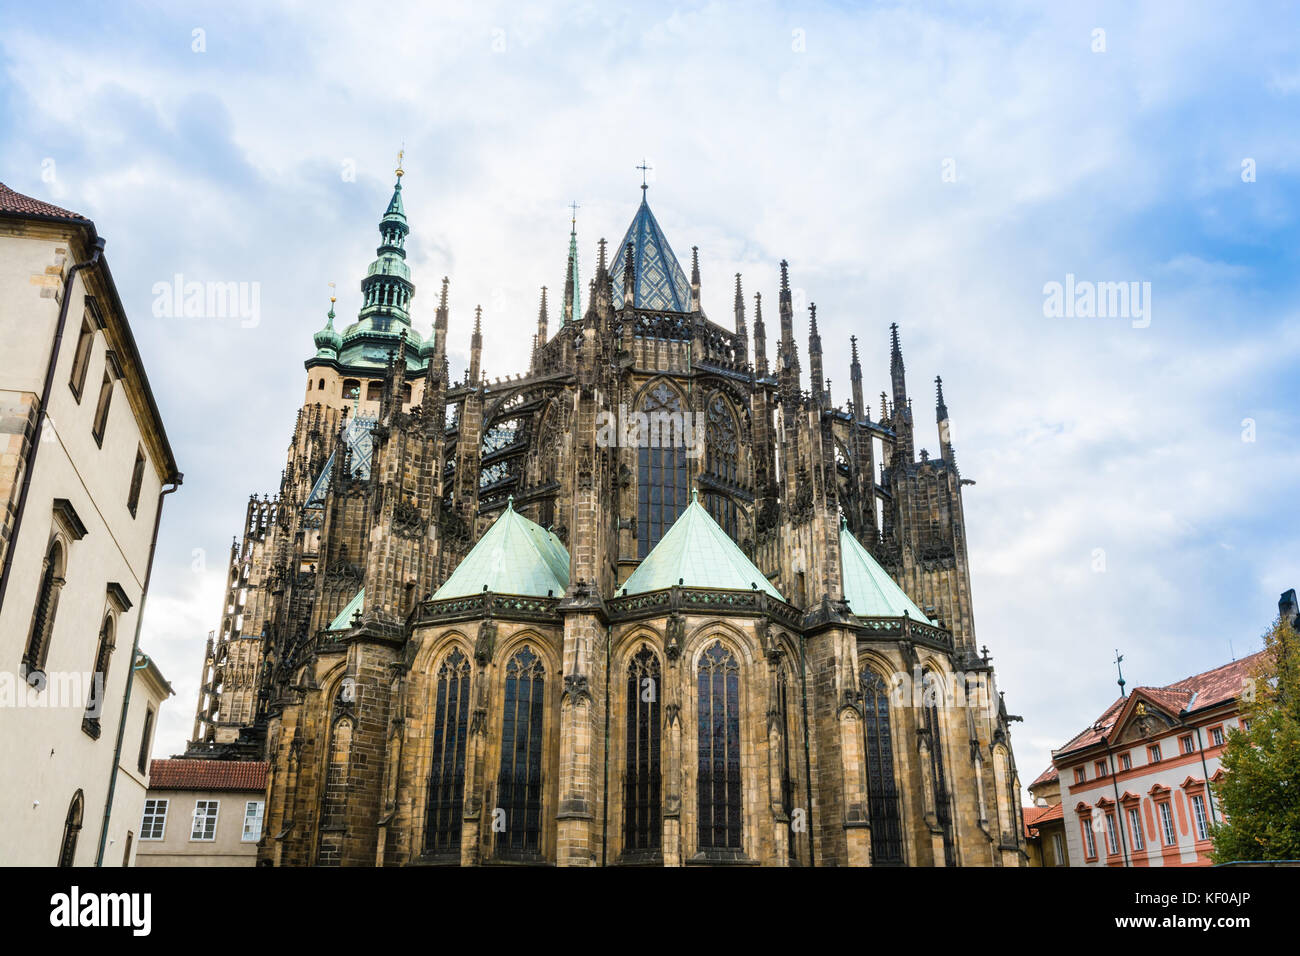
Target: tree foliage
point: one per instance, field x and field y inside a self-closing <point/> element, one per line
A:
<point x="1260" y="796"/>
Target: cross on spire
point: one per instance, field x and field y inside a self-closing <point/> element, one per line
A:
<point x="573" y="220"/>
<point x="644" y="169"/>
<point x="1119" y="660"/>
<point x="399" y="170"/>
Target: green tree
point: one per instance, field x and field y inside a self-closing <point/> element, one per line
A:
<point x="1260" y="796"/>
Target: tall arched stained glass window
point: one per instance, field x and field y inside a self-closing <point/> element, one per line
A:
<point x="882" y="793"/>
<point x="661" y="467"/>
<point x="932" y="692"/>
<point x="447" y="770"/>
<point x="721" y="454"/>
<point x="719" y="750"/>
<point x="642" y="826"/>
<point x="519" y="784"/>
<point x="787" y="774"/>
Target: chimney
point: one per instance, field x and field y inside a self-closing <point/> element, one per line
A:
<point x="1288" y="609"/>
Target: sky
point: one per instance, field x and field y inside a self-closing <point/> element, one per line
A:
<point x="938" y="166"/>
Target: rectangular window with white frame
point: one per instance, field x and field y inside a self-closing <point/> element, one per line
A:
<point x="154" y="823"/>
<point x="1135" y="830"/>
<point x="205" y="820"/>
<point x="1216" y="736"/>
<point x="1089" y="841"/>
<point x="252" y="821"/>
<point x="1058" y="850"/>
<point x="1202" y="822"/>
<point x="1112" y="838"/>
<point x="1167" y="823"/>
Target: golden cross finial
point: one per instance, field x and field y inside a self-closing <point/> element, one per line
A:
<point x="400" y="153"/>
<point x="333" y="297"/>
<point x="574" y="207"/>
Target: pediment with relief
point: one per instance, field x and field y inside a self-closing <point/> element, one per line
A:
<point x="1142" y="721"/>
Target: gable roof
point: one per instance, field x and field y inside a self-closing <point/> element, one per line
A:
<point x="697" y="553"/>
<point x="181" y="774"/>
<point x="659" y="282"/>
<point x="1047" y="776"/>
<point x="1037" y="816"/>
<point x="514" y="556"/>
<point x="868" y="588"/>
<point x="15" y="203"/>
<point x="1198" y="692"/>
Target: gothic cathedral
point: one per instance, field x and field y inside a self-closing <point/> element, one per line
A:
<point x="651" y="602"/>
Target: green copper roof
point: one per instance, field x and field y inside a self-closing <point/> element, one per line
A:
<point x="868" y="588"/>
<point x="698" y="553"/>
<point x="344" y="619"/>
<point x="514" y="556"/>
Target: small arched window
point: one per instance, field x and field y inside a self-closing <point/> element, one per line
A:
<point x="320" y="386"/>
<point x="447" y="772"/>
<point x="882" y="792"/>
<point x="99" y="676"/>
<point x="47" y="603"/>
<point x="642" y="826"/>
<point x="719" y="750"/>
<point x="519" y="784"/>
<point x="374" y="391"/>
<point x="351" y="388"/>
<point x="71" y="830"/>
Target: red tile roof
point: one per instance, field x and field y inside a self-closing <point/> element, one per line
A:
<point x="178" y="774"/>
<point x="1037" y="816"/>
<point x="17" y="203"/>
<point x="1047" y="776"/>
<point x="1193" y="693"/>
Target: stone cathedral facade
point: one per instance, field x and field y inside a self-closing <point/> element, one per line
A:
<point x="657" y="600"/>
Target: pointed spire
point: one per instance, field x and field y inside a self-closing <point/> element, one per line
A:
<point x="572" y="288"/>
<point x="600" y="259"/>
<point x="542" y="319"/>
<point x="695" y="279"/>
<point x="788" y="353"/>
<point x="855" y="379"/>
<point x="327" y="340"/>
<point x="742" y="332"/>
<point x="386" y="290"/>
<point x="476" y="346"/>
<point x="945" y="429"/>
<point x="760" y="336"/>
<point x="815" y="358"/>
<point x="629" y="277"/>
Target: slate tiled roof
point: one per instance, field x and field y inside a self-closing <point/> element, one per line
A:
<point x="180" y="774"/>
<point x="660" y="282"/>
<point x="18" y="204"/>
<point x="698" y="553"/>
<point x="514" y="556"/>
<point x="868" y="588"/>
<point x="1191" y="693"/>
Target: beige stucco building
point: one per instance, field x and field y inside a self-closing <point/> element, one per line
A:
<point x="202" y="813"/>
<point x="84" y="465"/>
